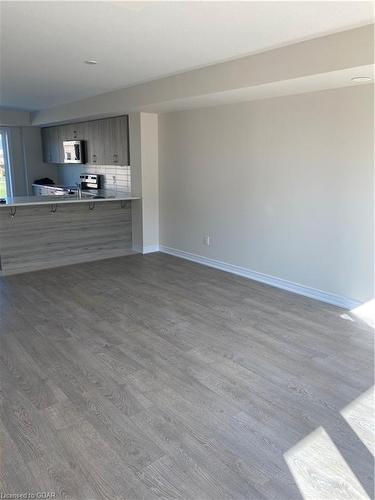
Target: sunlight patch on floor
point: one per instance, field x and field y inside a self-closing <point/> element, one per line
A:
<point x="347" y="317"/>
<point x="320" y="471"/>
<point x="366" y="312"/>
<point x="359" y="414"/>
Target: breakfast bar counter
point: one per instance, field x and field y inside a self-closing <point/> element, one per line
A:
<point x="99" y="195"/>
<point x="39" y="232"/>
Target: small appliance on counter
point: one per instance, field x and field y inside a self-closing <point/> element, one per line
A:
<point x="91" y="181"/>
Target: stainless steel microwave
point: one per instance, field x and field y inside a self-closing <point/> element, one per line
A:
<point x="74" y="152"/>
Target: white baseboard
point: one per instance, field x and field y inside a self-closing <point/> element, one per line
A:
<point x="146" y="249"/>
<point x="150" y="249"/>
<point x="330" y="298"/>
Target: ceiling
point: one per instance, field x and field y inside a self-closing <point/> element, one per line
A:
<point x="44" y="44"/>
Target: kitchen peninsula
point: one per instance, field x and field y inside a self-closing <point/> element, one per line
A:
<point x="39" y="232"/>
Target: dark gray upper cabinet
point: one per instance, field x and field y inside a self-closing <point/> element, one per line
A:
<point x="115" y="149"/>
<point x="52" y="145"/>
<point x="46" y="145"/>
<point x="95" y="142"/>
<point x="74" y="131"/>
<point x="106" y="141"/>
<point x="119" y="140"/>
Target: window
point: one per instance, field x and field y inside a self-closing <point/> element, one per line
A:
<point x="5" y="181"/>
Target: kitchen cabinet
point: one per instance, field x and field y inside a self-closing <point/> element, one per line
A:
<point x="58" y="147"/>
<point x="116" y="144"/>
<point x="46" y="145"/>
<point x="38" y="190"/>
<point x="106" y="141"/>
<point x="52" y="145"/>
<point x="74" y="131"/>
<point x="95" y="140"/>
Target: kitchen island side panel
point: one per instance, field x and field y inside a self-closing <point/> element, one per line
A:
<point x="44" y="236"/>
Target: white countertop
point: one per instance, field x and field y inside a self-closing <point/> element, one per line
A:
<point x="107" y="195"/>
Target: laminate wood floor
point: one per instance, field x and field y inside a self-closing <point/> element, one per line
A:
<point x="150" y="377"/>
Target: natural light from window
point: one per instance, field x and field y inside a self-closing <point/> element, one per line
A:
<point x="3" y="184"/>
<point x="320" y="470"/>
<point x="359" y="414"/>
<point x="317" y="466"/>
<point x="366" y="312"/>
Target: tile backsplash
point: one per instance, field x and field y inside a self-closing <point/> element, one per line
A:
<point x="114" y="177"/>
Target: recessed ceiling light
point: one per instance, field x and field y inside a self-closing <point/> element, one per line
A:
<point x="361" y="79"/>
<point x="91" y="61"/>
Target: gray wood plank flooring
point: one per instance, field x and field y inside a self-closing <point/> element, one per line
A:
<point x="148" y="377"/>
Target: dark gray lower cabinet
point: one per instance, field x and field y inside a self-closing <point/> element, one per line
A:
<point x="107" y="141"/>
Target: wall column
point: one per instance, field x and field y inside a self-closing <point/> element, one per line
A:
<point x="143" y="132"/>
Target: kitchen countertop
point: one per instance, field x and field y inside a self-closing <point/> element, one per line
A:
<point x="55" y="186"/>
<point x="105" y="195"/>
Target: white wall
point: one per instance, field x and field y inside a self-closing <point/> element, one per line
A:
<point x="284" y="187"/>
<point x="143" y="136"/>
<point x="35" y="167"/>
<point x="150" y="180"/>
<point x="26" y="159"/>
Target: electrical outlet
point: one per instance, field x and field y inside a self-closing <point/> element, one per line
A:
<point x="207" y="240"/>
<point x="114" y="179"/>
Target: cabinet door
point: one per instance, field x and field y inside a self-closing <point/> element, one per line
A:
<point x="121" y="150"/>
<point x="108" y="139"/>
<point x="37" y="190"/>
<point x="41" y="190"/>
<point x="52" y="145"/>
<point x="95" y="142"/>
<point x="58" y="135"/>
<point x="74" y="132"/>
<point x="46" y="145"/>
<point x="64" y="132"/>
<point x="116" y="140"/>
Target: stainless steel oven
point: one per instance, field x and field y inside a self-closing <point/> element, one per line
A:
<point x="74" y="152"/>
<point x="91" y="181"/>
